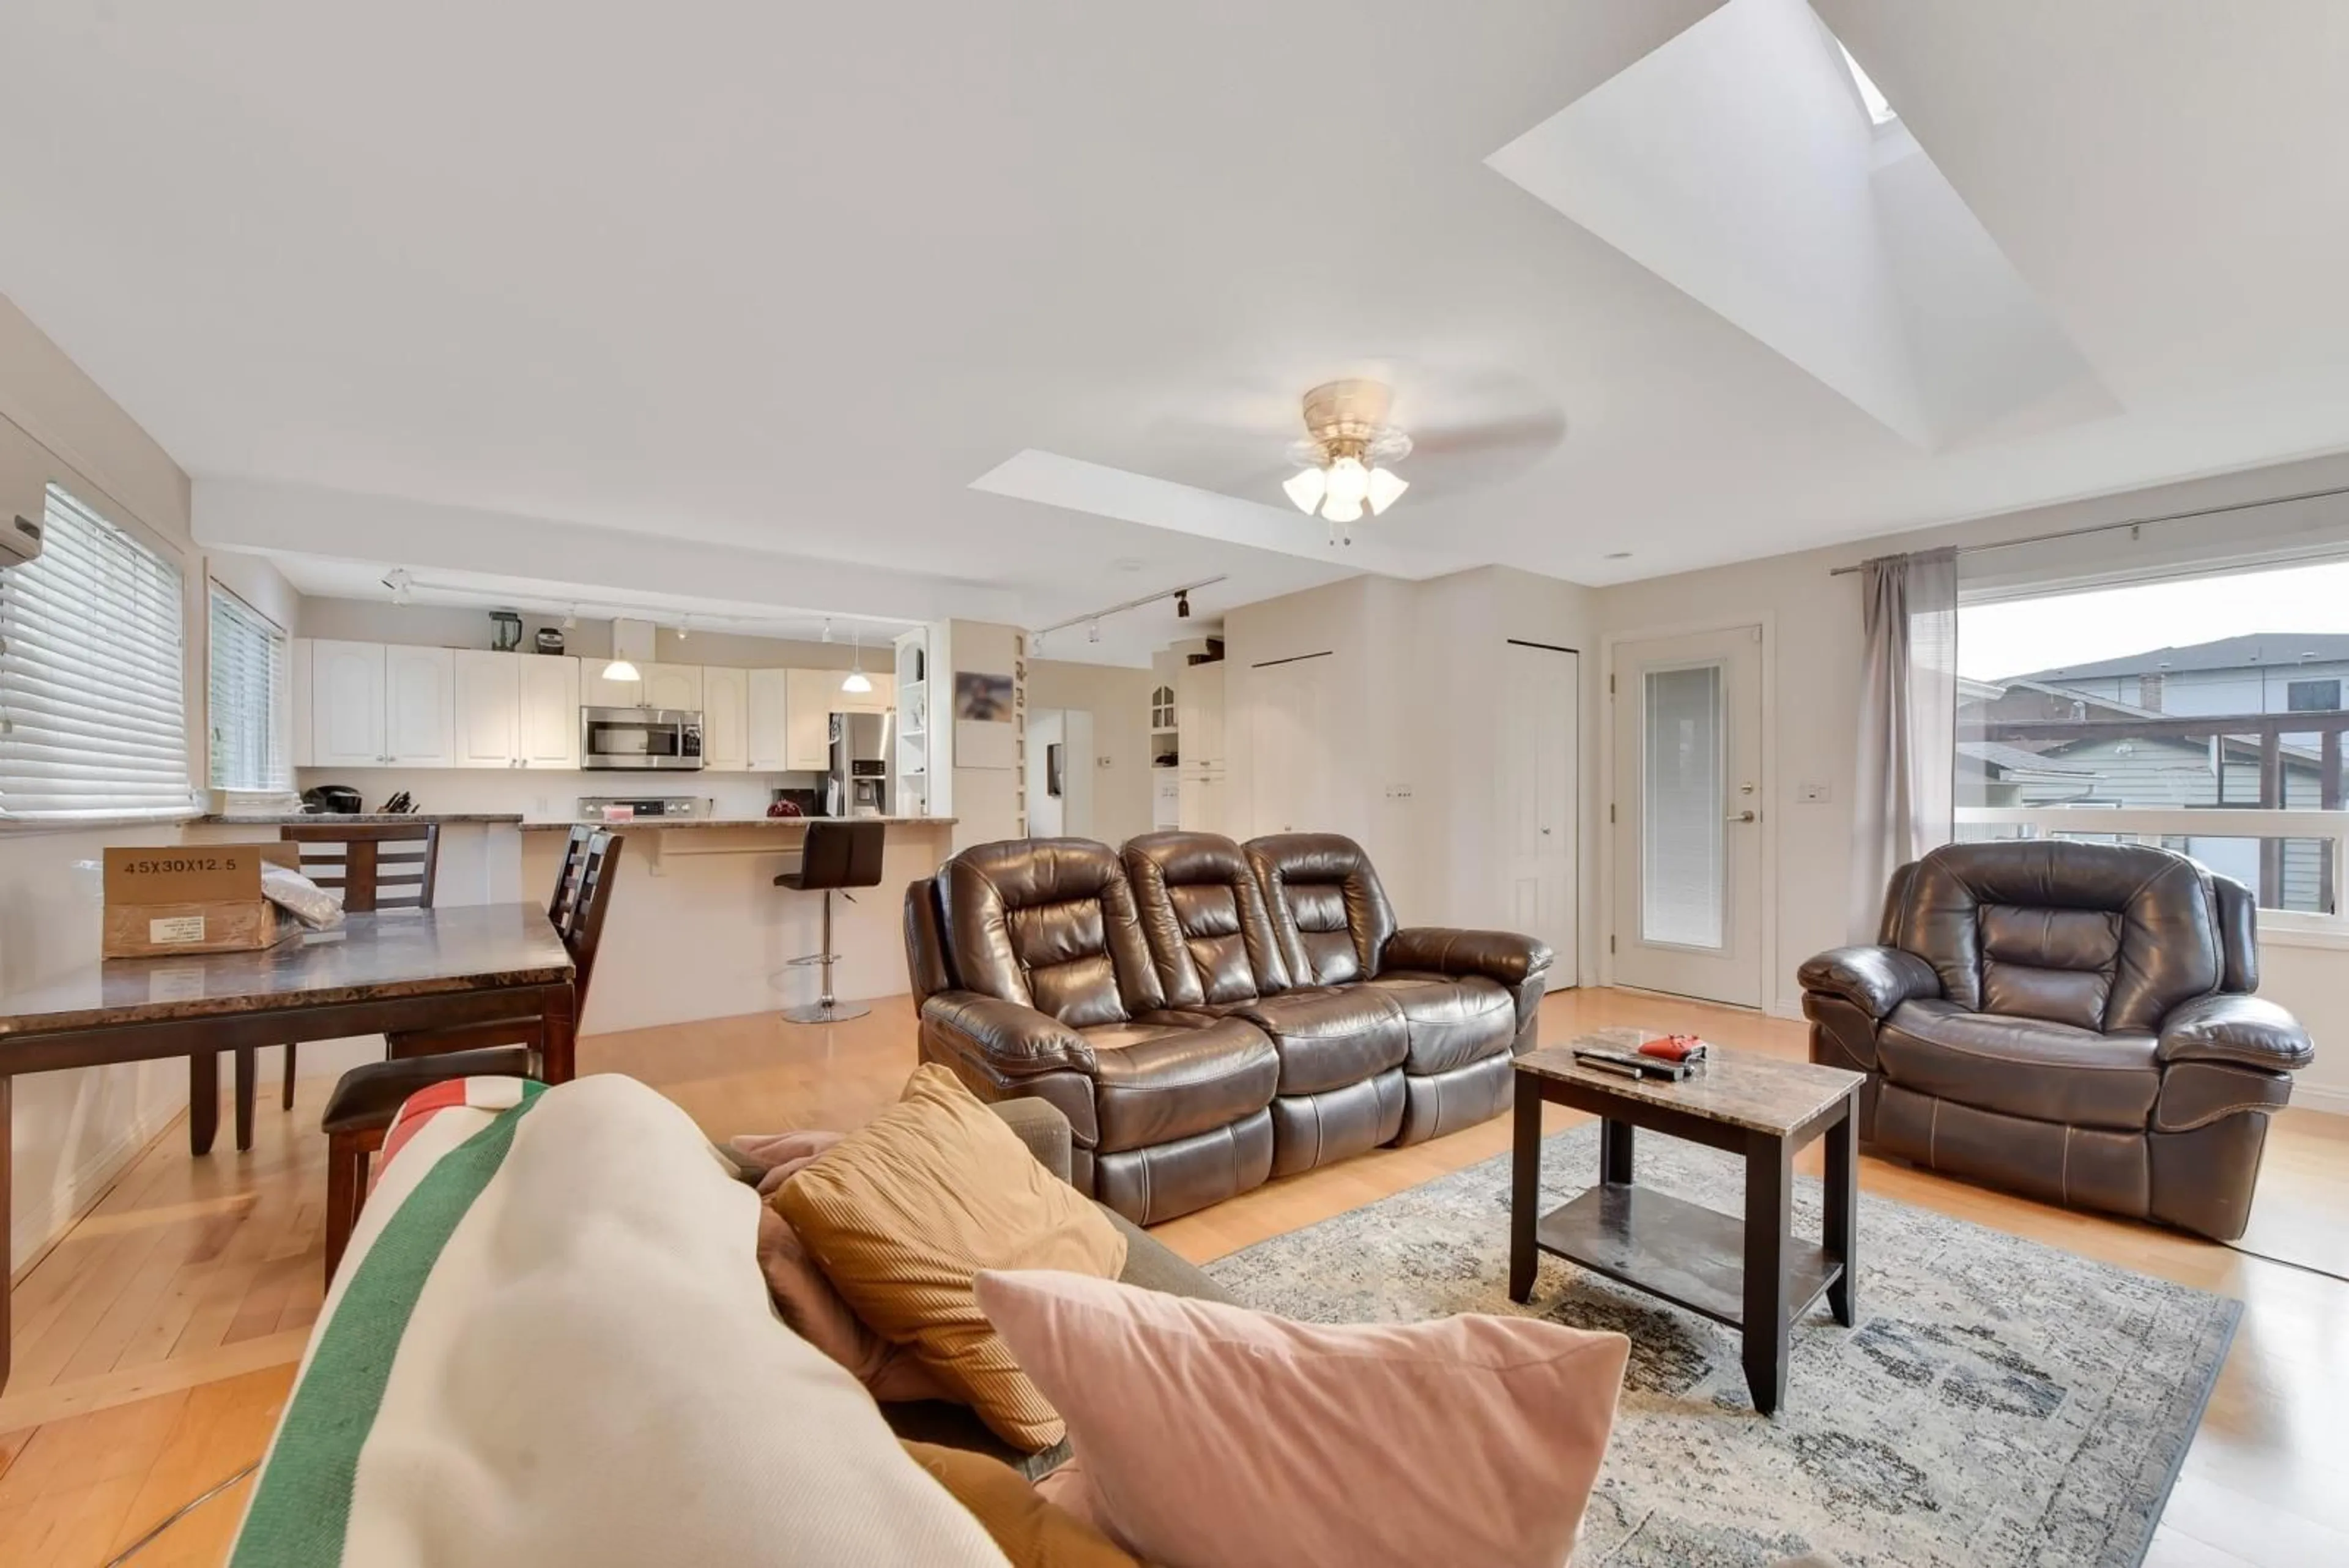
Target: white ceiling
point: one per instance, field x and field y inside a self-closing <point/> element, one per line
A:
<point x="746" y="299"/>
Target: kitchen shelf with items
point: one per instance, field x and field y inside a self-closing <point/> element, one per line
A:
<point x="911" y="766"/>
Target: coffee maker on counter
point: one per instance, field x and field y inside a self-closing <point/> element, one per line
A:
<point x="858" y="783"/>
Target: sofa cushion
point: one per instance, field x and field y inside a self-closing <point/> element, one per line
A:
<point x="1330" y="1036"/>
<point x="915" y="1203"/>
<point x="1177" y="1074"/>
<point x="549" y="1342"/>
<point x="1205" y="915"/>
<point x="1327" y="906"/>
<point x="1212" y="1434"/>
<point x="1049" y="923"/>
<point x="1450" y="1021"/>
<point x="2024" y="1068"/>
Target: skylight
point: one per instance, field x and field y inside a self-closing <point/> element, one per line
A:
<point x="1880" y="111"/>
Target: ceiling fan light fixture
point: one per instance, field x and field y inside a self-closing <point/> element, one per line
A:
<point x="1348" y="487"/>
<point x="1386" y="487"/>
<point x="1305" y="487"/>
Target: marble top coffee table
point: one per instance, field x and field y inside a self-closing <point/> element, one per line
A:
<point x="1754" y="1274"/>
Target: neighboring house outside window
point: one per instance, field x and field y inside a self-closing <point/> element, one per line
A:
<point x="93" y="708"/>
<point x="248" y="697"/>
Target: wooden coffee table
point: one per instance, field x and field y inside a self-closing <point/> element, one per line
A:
<point x="1756" y="1274"/>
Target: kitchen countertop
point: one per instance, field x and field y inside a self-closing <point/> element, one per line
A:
<point x="355" y="819"/>
<point x="669" y="823"/>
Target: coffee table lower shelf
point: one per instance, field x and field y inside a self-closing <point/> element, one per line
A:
<point x="1687" y="1254"/>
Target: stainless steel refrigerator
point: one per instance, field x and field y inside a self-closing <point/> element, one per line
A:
<point x="858" y="783"/>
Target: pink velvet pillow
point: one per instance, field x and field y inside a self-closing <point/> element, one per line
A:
<point x="1213" y="1437"/>
<point x="817" y="1313"/>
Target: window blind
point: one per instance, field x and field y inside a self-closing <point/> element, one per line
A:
<point x="247" y="695"/>
<point x="92" y="704"/>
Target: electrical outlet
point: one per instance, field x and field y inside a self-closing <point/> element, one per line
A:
<point x="539" y="805"/>
<point x="1101" y="762"/>
<point x="1811" y="792"/>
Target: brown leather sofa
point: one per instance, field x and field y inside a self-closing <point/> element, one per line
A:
<point x="2071" y="1021"/>
<point x="1199" y="1037"/>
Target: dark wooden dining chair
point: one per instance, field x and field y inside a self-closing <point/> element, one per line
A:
<point x="359" y="1111"/>
<point x="373" y="866"/>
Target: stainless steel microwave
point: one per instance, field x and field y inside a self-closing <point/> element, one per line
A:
<point x="639" y="738"/>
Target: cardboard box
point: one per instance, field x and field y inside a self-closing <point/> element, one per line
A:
<point x="195" y="898"/>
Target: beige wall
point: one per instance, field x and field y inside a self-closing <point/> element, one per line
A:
<point x="1119" y="701"/>
<point x="73" y="1131"/>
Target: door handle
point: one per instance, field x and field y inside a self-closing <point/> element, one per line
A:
<point x="1741" y="816"/>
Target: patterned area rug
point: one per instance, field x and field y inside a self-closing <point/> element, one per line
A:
<point x="1999" y="1403"/>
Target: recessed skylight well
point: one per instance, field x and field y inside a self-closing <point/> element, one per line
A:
<point x="1880" y="111"/>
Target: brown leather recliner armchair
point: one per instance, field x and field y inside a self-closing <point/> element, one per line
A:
<point x="2071" y="1021"/>
<point x="1158" y="1002"/>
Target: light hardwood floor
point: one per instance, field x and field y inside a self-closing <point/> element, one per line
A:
<point x="155" y="1343"/>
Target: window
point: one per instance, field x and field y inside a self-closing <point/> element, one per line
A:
<point x="2171" y="712"/>
<point x="93" y="713"/>
<point x="2312" y="696"/>
<point x="248" y="693"/>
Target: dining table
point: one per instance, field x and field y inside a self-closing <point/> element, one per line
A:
<point x="378" y="973"/>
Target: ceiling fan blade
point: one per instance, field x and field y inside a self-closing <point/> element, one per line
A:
<point x="1531" y="432"/>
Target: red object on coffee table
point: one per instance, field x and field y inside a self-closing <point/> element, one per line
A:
<point x="1673" y="1047"/>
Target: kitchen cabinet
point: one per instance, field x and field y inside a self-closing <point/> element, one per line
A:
<point x="677" y="686"/>
<point x="298" y="664"/>
<point x="1199" y="717"/>
<point x="814" y="696"/>
<point x="1203" y="803"/>
<point x="725" y="718"/>
<point x="598" y="691"/>
<point x="486" y="700"/>
<point x="1166" y="798"/>
<point x="767" y="721"/>
<point x="347" y="704"/>
<point x="416" y="733"/>
<point x="546" y="729"/>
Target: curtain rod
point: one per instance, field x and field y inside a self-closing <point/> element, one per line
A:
<point x="2132" y="522"/>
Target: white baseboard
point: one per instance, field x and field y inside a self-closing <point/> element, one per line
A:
<point x="2333" y="1101"/>
<point x="1784" y="1008"/>
<point x="71" y="1199"/>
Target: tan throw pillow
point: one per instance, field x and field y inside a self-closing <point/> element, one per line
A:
<point x="907" y="1210"/>
<point x="1026" y="1528"/>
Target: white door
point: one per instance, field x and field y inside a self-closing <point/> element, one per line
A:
<point x="487" y="697"/>
<point x="347" y="704"/>
<point x="1288" y="706"/>
<point x="677" y="686"/>
<point x="1540" y="704"/>
<point x="548" y="730"/>
<point x="725" y="718"/>
<point x="597" y="690"/>
<point x="416" y="733"/>
<point x="1688" y="814"/>
<point x="767" y="703"/>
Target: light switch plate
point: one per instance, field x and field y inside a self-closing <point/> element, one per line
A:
<point x="1811" y="792"/>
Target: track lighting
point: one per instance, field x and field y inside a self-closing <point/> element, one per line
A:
<point x="401" y="584"/>
<point x="1093" y="631"/>
<point x="1182" y="604"/>
<point x="827" y="628"/>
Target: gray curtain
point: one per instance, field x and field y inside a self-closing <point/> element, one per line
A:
<point x="1907" y="722"/>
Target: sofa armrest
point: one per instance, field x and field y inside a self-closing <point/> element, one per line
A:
<point x="1874" y="980"/>
<point x="2240" y="1031"/>
<point x="1043" y="1127"/>
<point x="1011" y="1041"/>
<point x="1504" y="956"/>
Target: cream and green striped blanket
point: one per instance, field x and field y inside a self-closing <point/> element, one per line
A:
<point x="550" y="1343"/>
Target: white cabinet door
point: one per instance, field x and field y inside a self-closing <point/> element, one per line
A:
<point x="547" y="732"/>
<point x="347" y="704"/>
<point x="1199" y="708"/>
<point x="597" y="692"/>
<point x="675" y="686"/>
<point x="487" y="698"/>
<point x="725" y="718"/>
<point x="415" y="707"/>
<point x="305" y="706"/>
<point x="767" y="737"/>
<point x="1203" y="804"/>
<point x="815" y="696"/>
<point x="1166" y="799"/>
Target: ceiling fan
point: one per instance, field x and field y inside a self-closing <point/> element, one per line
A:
<point x="1461" y="428"/>
<point x="1348" y="453"/>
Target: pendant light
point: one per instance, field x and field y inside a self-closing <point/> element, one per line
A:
<point x="857" y="680"/>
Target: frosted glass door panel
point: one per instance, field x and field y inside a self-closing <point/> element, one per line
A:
<point x="1683" y="890"/>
